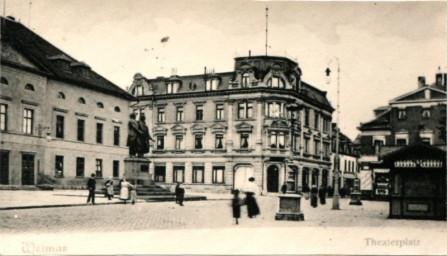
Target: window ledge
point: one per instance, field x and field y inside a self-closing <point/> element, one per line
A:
<point x="244" y="150"/>
<point x="198" y="151"/>
<point x="219" y="151"/>
<point x="179" y="151"/>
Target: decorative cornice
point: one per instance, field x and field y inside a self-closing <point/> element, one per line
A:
<point x="60" y="110"/>
<point x="30" y="103"/>
<point x="81" y="114"/>
<point x="3" y="97"/>
<point x="100" y="118"/>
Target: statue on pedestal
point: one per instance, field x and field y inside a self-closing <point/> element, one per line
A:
<point x="144" y="137"/>
<point x="134" y="136"/>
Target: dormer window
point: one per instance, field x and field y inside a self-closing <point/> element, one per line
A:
<point x="212" y="84"/>
<point x="4" y="81"/>
<point x="245" y="80"/>
<point x="402" y="114"/>
<point x="172" y="87"/>
<point x="29" y="87"/>
<point x="275" y="82"/>
<point x="274" y="109"/>
<point x="100" y="105"/>
<point x="138" y="90"/>
<point x="426" y="113"/>
<point x="61" y="95"/>
<point x="81" y="100"/>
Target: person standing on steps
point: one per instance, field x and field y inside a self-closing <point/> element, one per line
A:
<point x="91" y="186"/>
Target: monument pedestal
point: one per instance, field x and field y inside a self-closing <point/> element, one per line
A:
<point x="289" y="208"/>
<point x="136" y="170"/>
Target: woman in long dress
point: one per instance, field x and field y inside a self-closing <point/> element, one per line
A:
<point x="251" y="191"/>
<point x="124" y="191"/>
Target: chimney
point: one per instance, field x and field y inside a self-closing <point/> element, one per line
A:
<point x="441" y="80"/>
<point x="204" y="70"/>
<point x="421" y="81"/>
<point x="249" y="53"/>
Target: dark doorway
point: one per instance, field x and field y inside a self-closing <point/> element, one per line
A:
<point x="272" y="179"/>
<point x="27" y="169"/>
<point x="4" y="168"/>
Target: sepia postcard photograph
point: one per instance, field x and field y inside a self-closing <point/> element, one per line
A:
<point x="218" y="127"/>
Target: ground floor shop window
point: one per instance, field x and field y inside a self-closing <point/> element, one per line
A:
<point x="179" y="174"/>
<point x="218" y="175"/>
<point x="160" y="174"/>
<point x="197" y="174"/>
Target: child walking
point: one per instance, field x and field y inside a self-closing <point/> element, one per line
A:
<point x="236" y="204"/>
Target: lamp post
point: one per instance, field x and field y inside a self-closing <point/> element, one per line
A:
<point x="336" y="197"/>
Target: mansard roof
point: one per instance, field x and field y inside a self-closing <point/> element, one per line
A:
<point x="46" y="57"/>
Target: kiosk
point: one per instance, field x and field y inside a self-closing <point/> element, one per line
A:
<point x="418" y="182"/>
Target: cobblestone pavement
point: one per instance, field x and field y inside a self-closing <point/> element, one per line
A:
<point x="197" y="215"/>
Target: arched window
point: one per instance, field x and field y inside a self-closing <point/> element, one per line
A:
<point x="100" y="105"/>
<point x="4" y="81"/>
<point x="117" y="109"/>
<point x="245" y="80"/>
<point x="81" y="100"/>
<point x="29" y="87"/>
<point x="61" y="95"/>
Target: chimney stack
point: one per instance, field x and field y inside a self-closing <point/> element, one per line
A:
<point x="249" y="53"/>
<point x="421" y="81"/>
<point x="441" y="80"/>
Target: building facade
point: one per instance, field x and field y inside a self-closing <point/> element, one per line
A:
<point x="348" y="166"/>
<point x="60" y="121"/>
<point x="215" y="130"/>
<point x="415" y="117"/>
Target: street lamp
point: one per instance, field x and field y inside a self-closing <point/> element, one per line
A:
<point x="336" y="197"/>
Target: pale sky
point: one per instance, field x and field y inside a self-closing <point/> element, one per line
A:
<point x="382" y="47"/>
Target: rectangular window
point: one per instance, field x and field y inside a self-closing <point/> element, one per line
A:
<point x="244" y="140"/>
<point x="160" y="174"/>
<point x="402" y="114"/>
<point x="273" y="140"/>
<point x="81" y="125"/>
<point x="277" y="140"/>
<point x="316" y="148"/>
<point x="218" y="174"/>
<point x="317" y="121"/>
<point x="59" y="168"/>
<point x="28" y="121"/>
<point x="198" y="141"/>
<point x="274" y="109"/>
<point x="98" y="168"/>
<point x="199" y="112"/>
<point x="245" y="110"/>
<point x="245" y="80"/>
<point x="116" y="135"/>
<point x="326" y="149"/>
<point x="219" y="141"/>
<point x="306" y="117"/>
<point x="3" y="117"/>
<point x="296" y="143"/>
<point x="160" y="142"/>
<point x="80" y="165"/>
<point x="198" y="174"/>
<point x="219" y="111"/>
<point x="116" y="168"/>
<point x="306" y="145"/>
<point x="401" y="142"/>
<point x="60" y="127"/>
<point x="180" y="113"/>
<point x="179" y="174"/>
<point x="169" y="88"/>
<point x="161" y="115"/>
<point x="179" y="142"/>
<point x="99" y="129"/>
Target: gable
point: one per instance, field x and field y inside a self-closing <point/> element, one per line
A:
<point x="421" y="94"/>
<point x="10" y="54"/>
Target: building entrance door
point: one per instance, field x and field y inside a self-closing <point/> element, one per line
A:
<point x="241" y="176"/>
<point x="4" y="168"/>
<point x="272" y="179"/>
<point x="27" y="169"/>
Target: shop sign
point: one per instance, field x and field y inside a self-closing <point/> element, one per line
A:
<point x="418" y="163"/>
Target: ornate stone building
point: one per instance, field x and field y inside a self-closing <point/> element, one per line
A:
<point x="213" y="131"/>
<point x="60" y="121"/>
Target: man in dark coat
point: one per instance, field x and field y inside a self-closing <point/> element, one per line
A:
<point x="144" y="137"/>
<point x="91" y="186"/>
<point x="133" y="137"/>
<point x="314" y="196"/>
<point x="322" y="195"/>
<point x="179" y="194"/>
